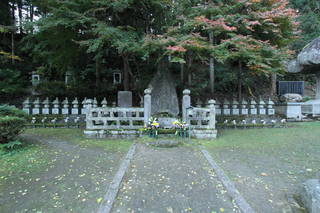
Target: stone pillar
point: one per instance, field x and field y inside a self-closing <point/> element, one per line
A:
<point x="104" y="103"/>
<point x="262" y="109"/>
<point x="84" y="106"/>
<point x="65" y="109"/>
<point x="270" y="110"/>
<point x="235" y="107"/>
<point x="212" y="115"/>
<point x="226" y="109"/>
<point x="55" y="109"/>
<point x="75" y="107"/>
<point x="318" y="85"/>
<point x="244" y="107"/>
<point x="218" y="108"/>
<point x="89" y="103"/>
<point x="253" y="108"/>
<point x="147" y="105"/>
<point x="36" y="107"/>
<point x="26" y="106"/>
<point x="46" y="107"/>
<point x="186" y="103"/>
<point x="95" y="103"/>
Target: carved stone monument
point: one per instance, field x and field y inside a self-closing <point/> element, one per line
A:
<point x="125" y="99"/>
<point x="164" y="97"/>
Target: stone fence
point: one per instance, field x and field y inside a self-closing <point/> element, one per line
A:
<point x="118" y="121"/>
<point x="251" y="107"/>
<point x="65" y="107"/>
<point x="201" y="121"/>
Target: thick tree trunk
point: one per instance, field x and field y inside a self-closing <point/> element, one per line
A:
<point x="182" y="74"/>
<point x="126" y="71"/>
<point x="240" y="81"/>
<point x="211" y="67"/>
<point x="190" y="60"/>
<point x="273" y="89"/>
<point x="13" y="24"/>
<point x="19" y="3"/>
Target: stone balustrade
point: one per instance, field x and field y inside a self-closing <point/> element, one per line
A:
<point x="105" y="118"/>
<point x="244" y="107"/>
<point x="57" y="107"/>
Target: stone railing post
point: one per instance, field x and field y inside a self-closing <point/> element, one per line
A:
<point x="186" y="103"/>
<point x="75" y="107"/>
<point x="244" y="107"/>
<point x="235" y="107"/>
<point x="36" y="107"/>
<point x="218" y="107"/>
<point x="212" y="115"/>
<point x="262" y="109"/>
<point x="46" y="107"/>
<point x="253" y="108"/>
<point x="95" y="103"/>
<point x="55" y="109"/>
<point x="65" y="109"/>
<point x="104" y="103"/>
<point x="226" y="109"/>
<point x="270" y="110"/>
<point x="84" y="106"/>
<point x="26" y="106"/>
<point x="147" y="105"/>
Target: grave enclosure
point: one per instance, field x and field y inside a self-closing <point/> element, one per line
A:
<point x="124" y="120"/>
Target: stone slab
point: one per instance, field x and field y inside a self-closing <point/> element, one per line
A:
<point x="45" y="111"/>
<point x="55" y="111"/>
<point x="244" y="111"/>
<point x="235" y="111"/>
<point x="35" y="111"/>
<point x="124" y="99"/>
<point x="74" y="111"/>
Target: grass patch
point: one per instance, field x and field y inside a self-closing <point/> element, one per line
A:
<point x="76" y="136"/>
<point x="26" y="159"/>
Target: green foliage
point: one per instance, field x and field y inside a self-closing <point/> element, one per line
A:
<point x="12" y="122"/>
<point x="11" y="83"/>
<point x="12" y="111"/>
<point x="11" y="145"/>
<point x="309" y="18"/>
<point x="10" y="128"/>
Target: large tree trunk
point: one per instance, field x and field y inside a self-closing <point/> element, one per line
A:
<point x="126" y="71"/>
<point x="182" y="74"/>
<point x="273" y="89"/>
<point x="190" y="60"/>
<point x="240" y="81"/>
<point x="13" y="24"/>
<point x="19" y="3"/>
<point x="211" y="67"/>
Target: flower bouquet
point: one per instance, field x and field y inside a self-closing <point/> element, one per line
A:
<point x="152" y="127"/>
<point x="181" y="128"/>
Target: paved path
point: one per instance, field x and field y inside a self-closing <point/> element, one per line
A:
<point x="171" y="180"/>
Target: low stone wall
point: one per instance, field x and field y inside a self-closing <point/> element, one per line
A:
<point x="65" y="107"/>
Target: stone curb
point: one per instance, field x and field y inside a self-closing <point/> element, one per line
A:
<point x="114" y="187"/>
<point x="228" y="184"/>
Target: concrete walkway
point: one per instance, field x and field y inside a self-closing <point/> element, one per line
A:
<point x="171" y="180"/>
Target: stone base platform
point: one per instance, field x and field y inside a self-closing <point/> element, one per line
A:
<point x="112" y="133"/>
<point x="204" y="133"/>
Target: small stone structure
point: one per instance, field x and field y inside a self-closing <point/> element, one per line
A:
<point x="201" y="121"/>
